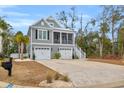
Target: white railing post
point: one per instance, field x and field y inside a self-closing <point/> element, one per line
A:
<point x="79" y="52"/>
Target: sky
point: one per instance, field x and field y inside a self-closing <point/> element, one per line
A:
<point x="22" y="16"/>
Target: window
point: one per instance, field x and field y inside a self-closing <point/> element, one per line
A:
<point x="70" y="38"/>
<point x="43" y="34"/>
<point x="56" y="37"/>
<point x="64" y="38"/>
<point x="36" y="34"/>
<point x="40" y="34"/>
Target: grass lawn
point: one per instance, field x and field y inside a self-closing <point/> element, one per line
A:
<point x="110" y="61"/>
<point x="26" y="73"/>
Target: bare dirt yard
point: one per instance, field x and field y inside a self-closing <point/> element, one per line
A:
<point x="110" y="61"/>
<point x="26" y="73"/>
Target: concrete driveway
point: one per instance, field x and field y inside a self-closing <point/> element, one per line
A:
<point x="88" y="74"/>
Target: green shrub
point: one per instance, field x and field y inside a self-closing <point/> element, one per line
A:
<point x="33" y="56"/>
<point x="65" y="78"/>
<point x="49" y="77"/>
<point x="56" y="76"/>
<point x="76" y="57"/>
<point x="25" y="57"/>
<point x="57" y="55"/>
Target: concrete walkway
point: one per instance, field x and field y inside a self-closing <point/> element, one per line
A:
<point x="88" y="74"/>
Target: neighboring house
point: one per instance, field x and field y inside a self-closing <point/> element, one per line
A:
<point x="0" y="41"/>
<point x="47" y="37"/>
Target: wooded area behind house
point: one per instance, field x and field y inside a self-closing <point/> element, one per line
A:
<point x="103" y="35"/>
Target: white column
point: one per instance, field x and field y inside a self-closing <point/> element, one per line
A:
<point x="67" y="37"/>
<point x="60" y="37"/>
<point x="52" y="37"/>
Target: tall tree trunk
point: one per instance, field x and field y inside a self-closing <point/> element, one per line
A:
<point x="113" y="46"/>
<point x="19" y="50"/>
<point x="122" y="52"/>
<point x="22" y="48"/>
<point x="101" y="49"/>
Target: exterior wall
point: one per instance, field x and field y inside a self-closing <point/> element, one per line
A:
<point x="55" y="24"/>
<point x="41" y="41"/>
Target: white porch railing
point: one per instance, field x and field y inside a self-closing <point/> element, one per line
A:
<point x="81" y="54"/>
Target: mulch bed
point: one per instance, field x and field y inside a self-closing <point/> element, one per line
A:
<point x="26" y="73"/>
<point x="110" y="61"/>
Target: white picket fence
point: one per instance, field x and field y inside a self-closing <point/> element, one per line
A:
<point x="16" y="55"/>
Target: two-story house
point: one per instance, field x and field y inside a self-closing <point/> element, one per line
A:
<point x="47" y="37"/>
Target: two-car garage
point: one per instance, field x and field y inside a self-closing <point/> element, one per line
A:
<point x="42" y="53"/>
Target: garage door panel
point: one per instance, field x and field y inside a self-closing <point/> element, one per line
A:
<point x="66" y="53"/>
<point x="42" y="53"/>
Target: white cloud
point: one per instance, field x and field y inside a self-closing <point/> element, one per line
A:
<point x="7" y="13"/>
<point x="4" y="12"/>
<point x="20" y="22"/>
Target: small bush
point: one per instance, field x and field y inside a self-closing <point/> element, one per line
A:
<point x="56" y="76"/>
<point x="33" y="56"/>
<point x="57" y="55"/>
<point x="76" y="57"/>
<point x="66" y="78"/>
<point x="49" y="77"/>
<point x="25" y="57"/>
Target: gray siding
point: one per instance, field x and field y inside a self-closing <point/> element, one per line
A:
<point x="34" y="40"/>
<point x="39" y="24"/>
<point x="54" y="22"/>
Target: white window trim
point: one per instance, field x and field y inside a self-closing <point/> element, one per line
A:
<point x="42" y="35"/>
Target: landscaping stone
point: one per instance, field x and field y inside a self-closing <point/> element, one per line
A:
<point x="56" y="84"/>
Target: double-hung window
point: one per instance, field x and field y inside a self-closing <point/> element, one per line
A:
<point x="43" y="34"/>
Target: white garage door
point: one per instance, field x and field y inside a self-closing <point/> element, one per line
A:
<point x="66" y="53"/>
<point x="42" y="53"/>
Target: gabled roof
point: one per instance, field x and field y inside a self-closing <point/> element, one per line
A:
<point x="38" y="23"/>
<point x="47" y="22"/>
